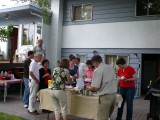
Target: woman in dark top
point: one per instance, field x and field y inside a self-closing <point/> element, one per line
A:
<point x="73" y="69"/>
<point x="45" y="74"/>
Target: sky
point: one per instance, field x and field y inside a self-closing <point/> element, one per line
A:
<point x="7" y="3"/>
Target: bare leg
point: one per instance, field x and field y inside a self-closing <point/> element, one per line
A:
<point x="64" y="117"/>
<point x="57" y="116"/>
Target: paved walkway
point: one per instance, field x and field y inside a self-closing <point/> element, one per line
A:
<point x="14" y="106"/>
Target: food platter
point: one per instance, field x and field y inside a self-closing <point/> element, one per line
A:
<point x="88" y="80"/>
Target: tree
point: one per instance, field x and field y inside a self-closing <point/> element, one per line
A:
<point x="5" y="32"/>
<point x="157" y="2"/>
<point x="45" y="6"/>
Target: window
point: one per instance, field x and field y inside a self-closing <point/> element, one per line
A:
<point x="82" y="12"/>
<point x="83" y="57"/>
<point x="28" y="34"/>
<point x="111" y="60"/>
<point x="146" y="7"/>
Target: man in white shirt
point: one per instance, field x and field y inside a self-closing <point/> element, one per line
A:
<point x="34" y="83"/>
<point x="80" y="79"/>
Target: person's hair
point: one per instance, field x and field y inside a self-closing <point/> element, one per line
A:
<point x="78" y="59"/>
<point x="71" y="57"/>
<point x="121" y="61"/>
<point x="37" y="54"/>
<point x="96" y="58"/>
<point x="45" y="61"/>
<point x="40" y="39"/>
<point x="89" y="62"/>
<point x="64" y="63"/>
<point x="30" y="53"/>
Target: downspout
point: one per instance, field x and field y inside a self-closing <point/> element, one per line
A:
<point x="35" y="14"/>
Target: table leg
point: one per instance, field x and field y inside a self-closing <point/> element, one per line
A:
<point x="5" y="93"/>
<point x="48" y="116"/>
<point x="21" y="89"/>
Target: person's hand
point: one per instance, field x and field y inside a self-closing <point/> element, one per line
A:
<point x="125" y="79"/>
<point x="75" y="77"/>
<point x="37" y="81"/>
<point x="47" y="74"/>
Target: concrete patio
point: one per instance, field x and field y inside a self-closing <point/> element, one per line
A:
<point x="14" y="106"/>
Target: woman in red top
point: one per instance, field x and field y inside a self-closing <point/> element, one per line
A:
<point x="45" y="74"/>
<point x="126" y="77"/>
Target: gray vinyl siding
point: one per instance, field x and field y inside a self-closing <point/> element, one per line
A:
<point x="105" y="11"/>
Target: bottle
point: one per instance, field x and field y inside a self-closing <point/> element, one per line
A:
<point x="1" y="73"/>
<point x="5" y="73"/>
<point x="150" y="82"/>
<point x="12" y="77"/>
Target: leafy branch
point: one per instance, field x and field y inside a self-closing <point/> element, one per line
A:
<point x="44" y="5"/>
<point x="5" y="32"/>
<point x="157" y="3"/>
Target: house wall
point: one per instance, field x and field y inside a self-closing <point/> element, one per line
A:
<point x="14" y="21"/>
<point x="114" y="25"/>
<point x="115" y="29"/>
<point x="105" y="11"/>
<point x="134" y="34"/>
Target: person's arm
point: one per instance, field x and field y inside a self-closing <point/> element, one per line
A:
<point x="96" y="81"/>
<point x="134" y="78"/>
<point x="69" y="79"/>
<point x="77" y="72"/>
<point x="93" y="89"/>
<point x="85" y="73"/>
<point x="33" y="77"/>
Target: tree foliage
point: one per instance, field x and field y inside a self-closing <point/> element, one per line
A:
<point x="45" y="6"/>
<point x="5" y="32"/>
<point x="157" y="2"/>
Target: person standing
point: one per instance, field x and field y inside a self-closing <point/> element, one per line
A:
<point x="81" y="68"/>
<point x="26" y="78"/>
<point x="88" y="74"/>
<point x="105" y="83"/>
<point x="126" y="77"/>
<point x="45" y="74"/>
<point x="34" y="83"/>
<point x="59" y="77"/>
<point x="40" y="48"/>
<point x="73" y="69"/>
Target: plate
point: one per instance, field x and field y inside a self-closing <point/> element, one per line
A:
<point x="68" y="87"/>
<point x="88" y="80"/>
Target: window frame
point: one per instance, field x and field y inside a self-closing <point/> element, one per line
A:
<point x="28" y="34"/>
<point x="142" y="15"/>
<point x="117" y="56"/>
<point x="72" y="12"/>
<point x="82" y="54"/>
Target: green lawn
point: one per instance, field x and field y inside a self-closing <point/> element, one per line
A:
<point x="4" y="116"/>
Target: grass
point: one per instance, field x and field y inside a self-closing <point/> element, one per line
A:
<point x="4" y="116"/>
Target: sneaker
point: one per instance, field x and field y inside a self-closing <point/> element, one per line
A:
<point x="33" y="113"/>
<point x="26" y="106"/>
